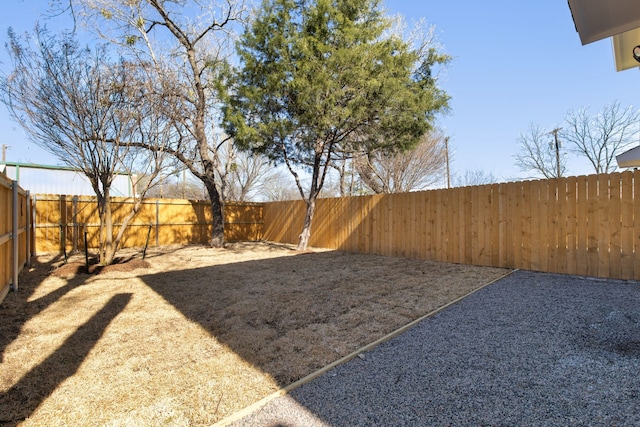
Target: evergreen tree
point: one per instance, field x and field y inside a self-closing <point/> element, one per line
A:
<point x="322" y="77"/>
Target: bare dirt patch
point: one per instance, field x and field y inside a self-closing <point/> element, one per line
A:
<point x="191" y="335"/>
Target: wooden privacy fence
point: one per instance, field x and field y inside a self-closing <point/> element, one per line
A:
<point x="64" y="219"/>
<point x="15" y="238"/>
<point x="587" y="225"/>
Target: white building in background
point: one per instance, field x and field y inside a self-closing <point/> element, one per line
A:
<point x="45" y="179"/>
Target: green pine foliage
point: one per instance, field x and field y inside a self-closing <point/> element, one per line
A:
<point x="321" y="77"/>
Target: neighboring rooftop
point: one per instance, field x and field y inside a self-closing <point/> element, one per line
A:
<point x="49" y="179"/>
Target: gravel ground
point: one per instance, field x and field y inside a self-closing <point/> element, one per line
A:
<point x="532" y="349"/>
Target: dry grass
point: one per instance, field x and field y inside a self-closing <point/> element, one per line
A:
<point x="199" y="333"/>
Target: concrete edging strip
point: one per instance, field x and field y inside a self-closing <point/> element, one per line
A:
<point x="285" y="390"/>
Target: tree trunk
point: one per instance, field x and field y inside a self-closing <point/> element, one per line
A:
<point x="106" y="227"/>
<point x="109" y="253"/>
<point x="303" y="241"/>
<point x="217" y="233"/>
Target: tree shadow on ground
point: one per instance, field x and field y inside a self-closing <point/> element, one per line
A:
<point x="20" y="307"/>
<point x="21" y="400"/>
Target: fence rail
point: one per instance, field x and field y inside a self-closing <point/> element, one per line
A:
<point x="587" y="225"/>
<point x="61" y="222"/>
<point x="15" y="236"/>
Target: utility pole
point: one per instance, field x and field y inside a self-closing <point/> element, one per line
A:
<point x="4" y="152"/>
<point x="446" y="154"/>
<point x="557" y="147"/>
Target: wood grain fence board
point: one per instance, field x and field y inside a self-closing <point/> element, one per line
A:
<point x="503" y="226"/>
<point x="405" y="245"/>
<point x="517" y="225"/>
<point x="636" y="224"/>
<point x="546" y="227"/>
<point x="429" y="225"/>
<point x="377" y="225"/>
<point x="492" y="232"/>
<point x="6" y="226"/>
<point x="562" y="224"/>
<point x="462" y="226"/>
<point x="592" y="225"/>
<point x="615" y="226"/>
<point x="423" y="224"/>
<point x="536" y="210"/>
<point x="603" y="237"/>
<point x="497" y="224"/>
<point x="376" y="228"/>
<point x="444" y="228"/>
<point x="342" y="223"/>
<point x="396" y="218"/>
<point x="446" y="225"/>
<point x="551" y="246"/>
<point x="572" y="224"/>
<point x="582" y="206"/>
<point x="388" y="226"/>
<point x="475" y="225"/>
<point x="412" y="250"/>
<point x="489" y="223"/>
<point x="409" y="246"/>
<point x="626" y="231"/>
<point x="512" y="238"/>
<point x="469" y="225"/>
<point x="484" y="223"/>
<point x="356" y="212"/>
<point x="527" y="226"/>
<point x="456" y="220"/>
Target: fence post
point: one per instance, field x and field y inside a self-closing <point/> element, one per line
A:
<point x="34" y="223"/>
<point x="14" y="235"/>
<point x="157" y="222"/>
<point x="74" y="221"/>
<point x="28" y="238"/>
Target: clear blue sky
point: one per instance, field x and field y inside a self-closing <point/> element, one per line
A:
<point x="515" y="63"/>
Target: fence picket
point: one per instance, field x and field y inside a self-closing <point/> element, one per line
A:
<point x="615" y="227"/>
<point x="626" y="230"/>
<point x="592" y="225"/>
<point x="571" y="224"/>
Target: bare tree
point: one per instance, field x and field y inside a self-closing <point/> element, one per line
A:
<point x="348" y="181"/>
<point x="86" y="110"/>
<point x="241" y="173"/>
<point x="188" y="42"/>
<point x="541" y="153"/>
<point x="396" y="172"/>
<point x="601" y="137"/>
<point x="178" y="184"/>
<point x="279" y="186"/>
<point x="474" y="177"/>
